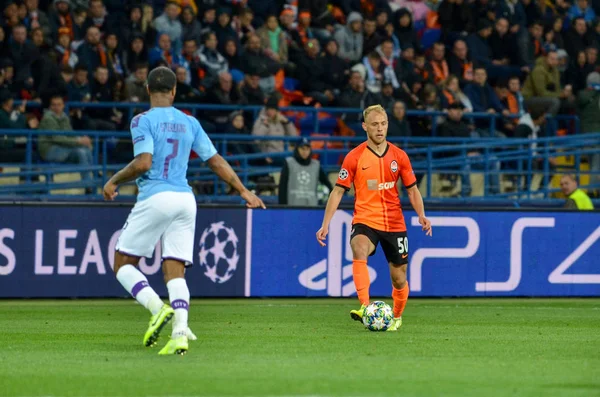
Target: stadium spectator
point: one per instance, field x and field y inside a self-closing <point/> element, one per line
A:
<point x="60" y="16"/>
<point x="405" y="32"/>
<point x="576" y="198"/>
<point x="223" y="93"/>
<point x="356" y="96"/>
<point x="390" y="35"/>
<point x="136" y="84"/>
<point x="350" y="39"/>
<point x="300" y="177"/>
<point x="62" y="148"/>
<point x="192" y="64"/>
<point x="314" y="78"/>
<point x="251" y="92"/>
<point x="191" y="28"/>
<point x="322" y="21"/>
<point x="137" y="26"/>
<point x="430" y="102"/>
<point x="371" y="39"/>
<point x="335" y="66"/>
<point x="303" y="31"/>
<point x="480" y="93"/>
<point x="102" y="119"/>
<point x="37" y="18"/>
<point x="79" y="19"/>
<point x="62" y="53"/>
<point x="405" y="66"/>
<point x="165" y="53"/>
<point x="543" y="88"/>
<point x="516" y="102"/>
<point x="223" y="28"/>
<point x="12" y="148"/>
<point x="237" y="126"/>
<point x="270" y="122"/>
<point x="387" y="95"/>
<point x="209" y="17"/>
<point x="578" y="37"/>
<point x="212" y="61"/>
<point x="530" y="46"/>
<point x="23" y="53"/>
<point x="582" y="9"/>
<point x="263" y="8"/>
<point x="114" y="58"/>
<point x="455" y="19"/>
<point x="98" y="17"/>
<point x="168" y="23"/>
<point x="459" y="64"/>
<point x="577" y="72"/>
<point x="92" y="52"/>
<point x="78" y="90"/>
<point x="40" y="43"/>
<point x="136" y="53"/>
<point x="243" y="25"/>
<point x="232" y="55"/>
<point x="502" y="44"/>
<point x="438" y="67"/>
<point x="273" y="40"/>
<point x="388" y="60"/>
<point x="451" y="93"/>
<point x="185" y="93"/>
<point x="255" y="62"/>
<point x="398" y="126"/>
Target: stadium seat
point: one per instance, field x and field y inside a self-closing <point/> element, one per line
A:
<point x="291" y="84"/>
<point x="9" y="180"/>
<point x="66" y="177"/>
<point x="237" y="75"/>
<point x="430" y="36"/>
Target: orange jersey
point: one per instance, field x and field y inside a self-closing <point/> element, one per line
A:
<point x="375" y="179"/>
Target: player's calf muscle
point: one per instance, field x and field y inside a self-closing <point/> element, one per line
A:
<point x="122" y="260"/>
<point x="398" y="275"/>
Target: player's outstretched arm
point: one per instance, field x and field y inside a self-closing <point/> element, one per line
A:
<point x="416" y="200"/>
<point x="221" y="167"/>
<point x="138" y="166"/>
<point x="332" y="205"/>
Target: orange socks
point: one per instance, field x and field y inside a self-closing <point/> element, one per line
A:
<point x="360" y="273"/>
<point x="400" y="297"/>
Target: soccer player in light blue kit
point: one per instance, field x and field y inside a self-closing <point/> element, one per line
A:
<point x="163" y="138"/>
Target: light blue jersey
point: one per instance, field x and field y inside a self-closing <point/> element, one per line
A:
<point x="169" y="135"/>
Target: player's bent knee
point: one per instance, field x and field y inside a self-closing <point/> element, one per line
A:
<point x="360" y="247"/>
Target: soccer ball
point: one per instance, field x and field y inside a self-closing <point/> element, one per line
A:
<point x="322" y="193"/>
<point x="378" y="316"/>
<point x="219" y="252"/>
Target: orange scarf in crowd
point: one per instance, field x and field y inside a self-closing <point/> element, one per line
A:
<point x="449" y="96"/>
<point x="65" y="58"/>
<point x="367" y="7"/>
<point x="168" y="57"/>
<point x="467" y="68"/>
<point x="65" y="21"/>
<point x="440" y="71"/>
<point x="102" y="54"/>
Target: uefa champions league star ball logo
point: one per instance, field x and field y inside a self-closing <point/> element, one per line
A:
<point x="303" y="177"/>
<point x="219" y="252"/>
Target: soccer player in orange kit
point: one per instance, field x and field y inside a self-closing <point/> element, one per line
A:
<point x="375" y="167"/>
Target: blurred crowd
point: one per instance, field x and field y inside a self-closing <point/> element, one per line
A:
<point x="520" y="60"/>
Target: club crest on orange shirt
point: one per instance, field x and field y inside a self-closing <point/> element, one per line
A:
<point x="394" y="166"/>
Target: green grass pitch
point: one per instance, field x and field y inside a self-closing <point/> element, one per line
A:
<point x="475" y="347"/>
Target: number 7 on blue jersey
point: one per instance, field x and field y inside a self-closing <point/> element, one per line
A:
<point x="175" y="143"/>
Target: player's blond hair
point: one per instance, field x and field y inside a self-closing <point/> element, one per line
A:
<point x="371" y="109"/>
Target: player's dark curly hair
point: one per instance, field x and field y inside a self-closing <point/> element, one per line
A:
<point x="161" y="80"/>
